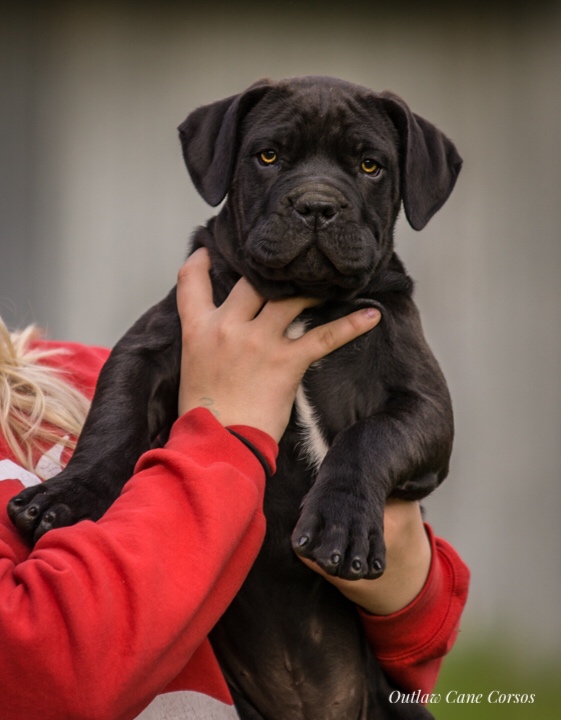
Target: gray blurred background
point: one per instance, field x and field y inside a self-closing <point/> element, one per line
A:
<point x="97" y="209"/>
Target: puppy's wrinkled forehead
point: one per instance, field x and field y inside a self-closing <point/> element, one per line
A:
<point x="305" y="115"/>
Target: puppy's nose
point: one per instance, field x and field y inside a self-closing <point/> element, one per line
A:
<point x="316" y="211"/>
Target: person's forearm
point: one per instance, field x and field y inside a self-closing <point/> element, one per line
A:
<point x="408" y="563"/>
<point x="108" y="613"/>
<point x="411" y="642"/>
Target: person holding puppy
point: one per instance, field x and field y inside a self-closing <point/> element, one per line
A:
<point x="100" y="618"/>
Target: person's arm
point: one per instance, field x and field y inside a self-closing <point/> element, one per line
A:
<point x="411" y="613"/>
<point x="411" y="643"/>
<point x="100" y="617"/>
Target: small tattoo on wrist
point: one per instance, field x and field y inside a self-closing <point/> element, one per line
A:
<point x="208" y="402"/>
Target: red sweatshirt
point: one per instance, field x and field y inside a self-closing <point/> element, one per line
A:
<point x="100" y="618"/>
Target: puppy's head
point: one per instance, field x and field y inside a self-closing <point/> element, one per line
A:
<point x="315" y="170"/>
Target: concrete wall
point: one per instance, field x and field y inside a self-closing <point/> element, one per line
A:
<point x="97" y="209"/>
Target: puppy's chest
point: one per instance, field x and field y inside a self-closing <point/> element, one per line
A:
<point x="335" y="393"/>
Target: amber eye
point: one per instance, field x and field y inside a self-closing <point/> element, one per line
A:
<point x="268" y="157"/>
<point x="370" y="167"/>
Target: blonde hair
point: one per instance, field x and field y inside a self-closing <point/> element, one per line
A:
<point x="38" y="406"/>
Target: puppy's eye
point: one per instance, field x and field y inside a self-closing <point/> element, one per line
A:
<point x="268" y="157"/>
<point x="370" y="167"/>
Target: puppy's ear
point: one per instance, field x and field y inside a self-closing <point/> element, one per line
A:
<point x="430" y="163"/>
<point x="209" y="139"/>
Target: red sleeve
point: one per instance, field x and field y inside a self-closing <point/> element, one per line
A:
<point x="410" y="644"/>
<point x="100" y="617"/>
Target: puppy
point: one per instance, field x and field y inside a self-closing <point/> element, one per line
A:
<point x="314" y="171"/>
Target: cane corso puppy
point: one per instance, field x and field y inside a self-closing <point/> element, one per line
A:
<point x="314" y="172"/>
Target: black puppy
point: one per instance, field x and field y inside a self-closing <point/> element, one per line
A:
<point x="315" y="170"/>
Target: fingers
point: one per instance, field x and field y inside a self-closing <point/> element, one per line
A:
<point x="277" y="315"/>
<point x="243" y="302"/>
<point x="194" y="289"/>
<point x="326" y="338"/>
<point x="195" y="296"/>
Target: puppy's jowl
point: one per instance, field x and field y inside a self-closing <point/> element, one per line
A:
<point x="314" y="172"/>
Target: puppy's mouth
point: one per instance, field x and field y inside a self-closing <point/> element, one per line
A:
<point x="311" y="272"/>
<point x="314" y="242"/>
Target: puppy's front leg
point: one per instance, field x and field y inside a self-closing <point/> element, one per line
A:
<point x="135" y="401"/>
<point x="401" y="451"/>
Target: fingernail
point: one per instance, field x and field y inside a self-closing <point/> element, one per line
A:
<point x="371" y="313"/>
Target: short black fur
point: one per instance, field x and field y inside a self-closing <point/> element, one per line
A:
<point x="311" y="218"/>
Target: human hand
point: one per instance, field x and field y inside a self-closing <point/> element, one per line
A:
<point x="408" y="559"/>
<point x="236" y="359"/>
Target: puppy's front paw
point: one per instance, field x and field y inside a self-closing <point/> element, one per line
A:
<point x="52" y="504"/>
<point x="342" y="537"/>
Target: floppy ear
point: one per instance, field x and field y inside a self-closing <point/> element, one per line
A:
<point x="209" y="141"/>
<point x="430" y="163"/>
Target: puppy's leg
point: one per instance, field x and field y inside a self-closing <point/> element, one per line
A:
<point x="135" y="400"/>
<point x="402" y="451"/>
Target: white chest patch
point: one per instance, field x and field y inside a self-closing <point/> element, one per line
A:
<point x="314" y="444"/>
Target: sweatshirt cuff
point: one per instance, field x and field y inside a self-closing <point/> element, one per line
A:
<point x="254" y="450"/>
<point x="199" y="425"/>
<point x="428" y="626"/>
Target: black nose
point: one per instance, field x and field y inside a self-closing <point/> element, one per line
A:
<point x="316" y="211"/>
